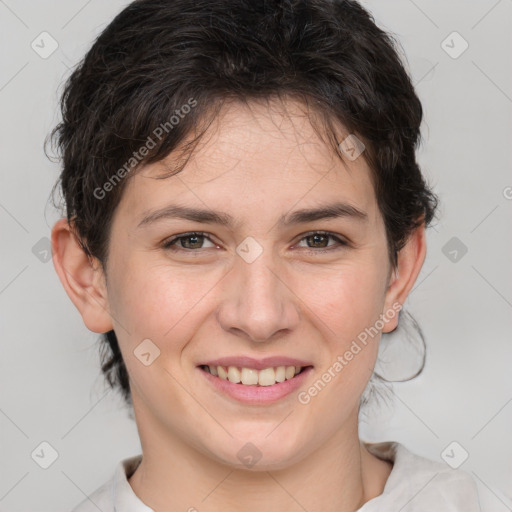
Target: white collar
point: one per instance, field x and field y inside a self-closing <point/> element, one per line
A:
<point x="414" y="484"/>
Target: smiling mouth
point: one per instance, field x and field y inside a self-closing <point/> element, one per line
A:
<point x="252" y="377"/>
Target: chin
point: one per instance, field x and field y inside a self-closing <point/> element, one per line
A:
<point x="264" y="455"/>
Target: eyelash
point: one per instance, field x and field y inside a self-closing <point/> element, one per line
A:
<point x="168" y="244"/>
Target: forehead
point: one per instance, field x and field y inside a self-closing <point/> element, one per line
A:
<point x="256" y="155"/>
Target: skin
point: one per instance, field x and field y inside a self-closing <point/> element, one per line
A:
<point x="256" y="164"/>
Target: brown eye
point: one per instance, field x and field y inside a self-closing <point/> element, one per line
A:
<point x="188" y="241"/>
<point x="192" y="241"/>
<point x="320" y="240"/>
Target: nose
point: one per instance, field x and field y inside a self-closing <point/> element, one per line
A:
<point x="258" y="302"/>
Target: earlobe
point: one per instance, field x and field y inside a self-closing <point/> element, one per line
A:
<point x="82" y="278"/>
<point x="410" y="262"/>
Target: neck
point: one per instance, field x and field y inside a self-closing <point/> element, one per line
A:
<point x="340" y="475"/>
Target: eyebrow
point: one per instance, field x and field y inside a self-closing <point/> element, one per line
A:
<point x="328" y="211"/>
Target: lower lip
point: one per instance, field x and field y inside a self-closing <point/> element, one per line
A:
<point x="254" y="394"/>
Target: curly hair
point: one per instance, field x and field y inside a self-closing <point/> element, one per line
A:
<point x="158" y="54"/>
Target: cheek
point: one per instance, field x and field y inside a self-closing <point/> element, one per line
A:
<point x="346" y="301"/>
<point x="157" y="301"/>
<point x="165" y="303"/>
<point x="161" y="301"/>
<point x="346" y="306"/>
<point x="165" y="306"/>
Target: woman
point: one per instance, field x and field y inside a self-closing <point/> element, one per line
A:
<point x="245" y="217"/>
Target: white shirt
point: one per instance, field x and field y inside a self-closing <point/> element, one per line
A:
<point x="415" y="484"/>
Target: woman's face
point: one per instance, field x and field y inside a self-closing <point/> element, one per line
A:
<point x="262" y="286"/>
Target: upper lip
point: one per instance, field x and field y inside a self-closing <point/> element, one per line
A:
<point x="257" y="364"/>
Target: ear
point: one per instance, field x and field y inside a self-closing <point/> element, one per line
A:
<point x="410" y="260"/>
<point x="82" y="277"/>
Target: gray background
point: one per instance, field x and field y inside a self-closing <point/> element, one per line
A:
<point x="50" y="385"/>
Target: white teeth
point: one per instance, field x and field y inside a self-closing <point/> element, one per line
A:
<point x="250" y="376"/>
<point x="290" y="372"/>
<point x="234" y="374"/>
<point x="267" y="377"/>
<point x="280" y="374"/>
